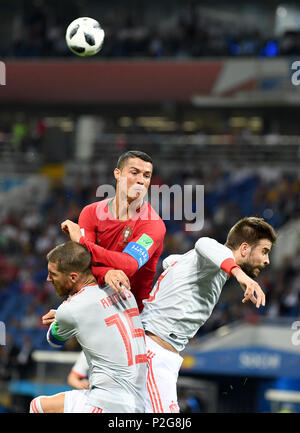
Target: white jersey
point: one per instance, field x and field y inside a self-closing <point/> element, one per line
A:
<point x="108" y="328"/>
<point x="81" y="367"/>
<point x="185" y="294"/>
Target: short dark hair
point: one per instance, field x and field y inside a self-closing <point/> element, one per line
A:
<point x="250" y="230"/>
<point x="132" y="154"/>
<point x="71" y="257"/>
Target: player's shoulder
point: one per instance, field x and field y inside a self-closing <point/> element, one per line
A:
<point x="204" y="240"/>
<point x="65" y="314"/>
<point x="62" y="310"/>
<point x="73" y="301"/>
<point x="153" y="217"/>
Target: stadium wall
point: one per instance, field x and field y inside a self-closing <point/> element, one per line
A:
<point x="140" y="81"/>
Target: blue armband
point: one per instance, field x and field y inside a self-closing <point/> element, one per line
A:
<point x="53" y="338"/>
<point x="138" y="252"/>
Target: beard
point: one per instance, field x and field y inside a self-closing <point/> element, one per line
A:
<point x="63" y="289"/>
<point x="250" y="270"/>
<point x="59" y="290"/>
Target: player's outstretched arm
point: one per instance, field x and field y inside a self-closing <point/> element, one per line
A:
<point x="112" y="259"/>
<point x="136" y="253"/>
<point x="252" y="290"/>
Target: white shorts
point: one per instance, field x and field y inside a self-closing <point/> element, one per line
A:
<point x="76" y="402"/>
<point x="163" y="369"/>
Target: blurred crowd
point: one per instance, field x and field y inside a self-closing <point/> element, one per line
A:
<point x="38" y="30"/>
<point x="23" y="134"/>
<point x="32" y="136"/>
<point x="28" y="234"/>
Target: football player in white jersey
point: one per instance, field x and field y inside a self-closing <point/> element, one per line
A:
<point x="187" y="291"/>
<point x="108" y="328"/>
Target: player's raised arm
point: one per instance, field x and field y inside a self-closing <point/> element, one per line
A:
<point x="112" y="259"/>
<point x="223" y="257"/>
<point x="217" y="253"/>
<point x="102" y="256"/>
<point x="136" y="253"/>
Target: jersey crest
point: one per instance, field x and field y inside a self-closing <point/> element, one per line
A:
<point x="127" y="234"/>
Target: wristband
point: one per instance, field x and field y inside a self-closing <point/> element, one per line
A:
<point x="228" y="264"/>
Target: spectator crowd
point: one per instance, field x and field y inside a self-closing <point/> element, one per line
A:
<point x="37" y="29"/>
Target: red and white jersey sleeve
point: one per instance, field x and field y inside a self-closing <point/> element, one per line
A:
<point x="217" y="253"/>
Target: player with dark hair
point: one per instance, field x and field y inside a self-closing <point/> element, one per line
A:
<point x="108" y="328"/>
<point x="124" y="234"/>
<point x="186" y="293"/>
<point x="133" y="154"/>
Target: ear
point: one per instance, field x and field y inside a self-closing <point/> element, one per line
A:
<point x="117" y="174"/>
<point x="73" y="276"/>
<point x="244" y="249"/>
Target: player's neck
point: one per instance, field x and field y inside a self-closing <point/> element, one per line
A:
<point x="124" y="210"/>
<point x="89" y="281"/>
<point x="237" y="257"/>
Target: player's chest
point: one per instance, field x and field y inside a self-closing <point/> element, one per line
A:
<point x="115" y="234"/>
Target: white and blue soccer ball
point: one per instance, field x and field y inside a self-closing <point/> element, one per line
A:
<point x="84" y="36"/>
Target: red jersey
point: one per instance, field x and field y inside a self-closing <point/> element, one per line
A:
<point x="134" y="245"/>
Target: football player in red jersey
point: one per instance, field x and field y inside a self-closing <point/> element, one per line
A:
<point x="124" y="234"/>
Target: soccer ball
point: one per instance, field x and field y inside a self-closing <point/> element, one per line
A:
<point x="84" y="36"/>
